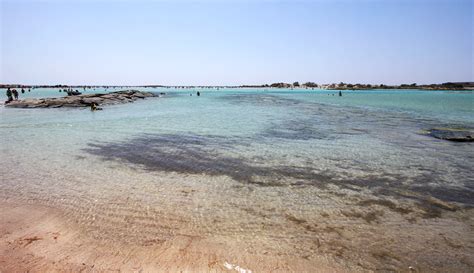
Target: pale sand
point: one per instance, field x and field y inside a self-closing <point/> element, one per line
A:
<point x="38" y="239"/>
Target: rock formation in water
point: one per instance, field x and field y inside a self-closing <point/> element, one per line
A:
<point x="83" y="100"/>
<point x="453" y="134"/>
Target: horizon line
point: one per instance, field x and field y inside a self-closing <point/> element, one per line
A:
<point x="228" y="85"/>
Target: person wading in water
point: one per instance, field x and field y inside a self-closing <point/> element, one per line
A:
<point x="9" y="96"/>
<point x="94" y="107"/>
<point x="15" y="94"/>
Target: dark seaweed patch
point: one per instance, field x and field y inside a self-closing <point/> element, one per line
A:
<point x="216" y="155"/>
<point x="298" y="130"/>
<point x="195" y="155"/>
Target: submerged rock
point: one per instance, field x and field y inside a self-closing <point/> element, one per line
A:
<point x="83" y="100"/>
<point x="458" y="135"/>
<point x="73" y="93"/>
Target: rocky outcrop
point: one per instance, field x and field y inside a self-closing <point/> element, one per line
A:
<point x="84" y="100"/>
<point x="458" y="135"/>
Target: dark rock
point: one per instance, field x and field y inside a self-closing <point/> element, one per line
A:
<point x="107" y="96"/>
<point x="96" y="100"/>
<point x="73" y="93"/>
<point x="458" y="135"/>
<point x="86" y="100"/>
<point x="110" y="102"/>
<point x="139" y="96"/>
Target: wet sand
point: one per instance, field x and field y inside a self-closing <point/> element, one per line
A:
<point x="37" y="239"/>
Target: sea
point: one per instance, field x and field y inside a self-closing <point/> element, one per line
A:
<point x="302" y="172"/>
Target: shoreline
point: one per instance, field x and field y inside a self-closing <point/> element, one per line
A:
<point x="447" y="86"/>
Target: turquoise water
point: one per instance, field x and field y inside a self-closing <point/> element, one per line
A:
<point x="242" y="156"/>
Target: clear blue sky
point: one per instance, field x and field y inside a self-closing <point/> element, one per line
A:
<point x="236" y="42"/>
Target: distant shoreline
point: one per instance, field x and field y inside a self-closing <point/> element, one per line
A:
<point x="309" y="85"/>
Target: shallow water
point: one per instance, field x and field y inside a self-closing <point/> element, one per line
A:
<point x="255" y="167"/>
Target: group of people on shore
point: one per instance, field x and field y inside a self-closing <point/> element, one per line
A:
<point x="12" y="94"/>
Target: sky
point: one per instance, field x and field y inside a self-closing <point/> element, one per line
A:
<point x="235" y="42"/>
